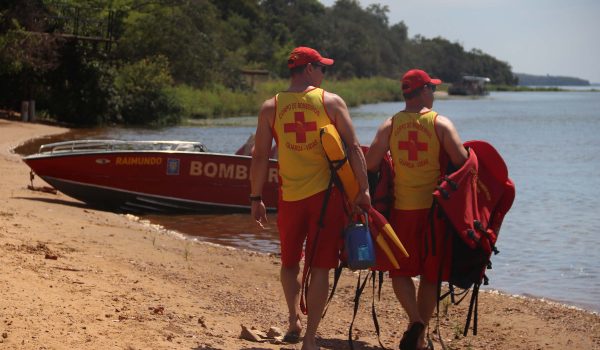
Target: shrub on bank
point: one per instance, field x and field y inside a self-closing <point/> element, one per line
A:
<point x="142" y="94"/>
<point x="357" y="91"/>
<point x="219" y="101"/>
<point x="215" y="102"/>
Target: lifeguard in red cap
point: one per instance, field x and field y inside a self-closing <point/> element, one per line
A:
<point x="293" y="118"/>
<point x="420" y="142"/>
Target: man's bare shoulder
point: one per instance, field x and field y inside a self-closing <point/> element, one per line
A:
<point x="267" y="110"/>
<point x="335" y="107"/>
<point x="333" y="100"/>
<point x="387" y="122"/>
<point x="268" y="105"/>
<point x="443" y="122"/>
<point x="385" y="129"/>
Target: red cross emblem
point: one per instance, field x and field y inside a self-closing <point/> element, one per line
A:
<point x="300" y="127"/>
<point x="413" y="146"/>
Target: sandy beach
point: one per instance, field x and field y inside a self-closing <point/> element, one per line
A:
<point x="72" y="277"/>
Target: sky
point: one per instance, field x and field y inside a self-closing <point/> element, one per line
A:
<point x="555" y="37"/>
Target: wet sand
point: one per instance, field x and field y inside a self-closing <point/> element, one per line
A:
<point x="78" y="278"/>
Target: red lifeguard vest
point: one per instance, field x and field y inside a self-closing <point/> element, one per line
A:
<point x="474" y="200"/>
<point x="476" y="197"/>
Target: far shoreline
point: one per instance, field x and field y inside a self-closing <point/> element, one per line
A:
<point x="381" y="90"/>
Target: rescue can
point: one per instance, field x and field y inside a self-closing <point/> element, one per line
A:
<point x="359" y="246"/>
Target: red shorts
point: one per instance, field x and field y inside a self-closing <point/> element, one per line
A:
<point x="297" y="221"/>
<point x="413" y="228"/>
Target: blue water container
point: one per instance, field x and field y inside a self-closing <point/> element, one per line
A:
<point x="359" y="246"/>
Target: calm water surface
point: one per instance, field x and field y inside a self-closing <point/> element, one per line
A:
<point x="551" y="143"/>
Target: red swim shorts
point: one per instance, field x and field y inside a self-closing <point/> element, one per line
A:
<point x="413" y="228"/>
<point x="297" y="221"/>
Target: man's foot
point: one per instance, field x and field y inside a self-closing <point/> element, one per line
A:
<point x="292" y="336"/>
<point x="411" y="336"/>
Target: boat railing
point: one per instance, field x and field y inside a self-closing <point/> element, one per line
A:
<point x="118" y="145"/>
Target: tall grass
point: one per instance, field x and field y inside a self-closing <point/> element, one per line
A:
<point x="218" y="102"/>
<point x="214" y="103"/>
<point x="361" y="91"/>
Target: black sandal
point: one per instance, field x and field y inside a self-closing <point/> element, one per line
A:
<point x="291" y="337"/>
<point x="411" y="336"/>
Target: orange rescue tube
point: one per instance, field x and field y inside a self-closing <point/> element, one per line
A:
<point x="334" y="149"/>
<point x="380" y="222"/>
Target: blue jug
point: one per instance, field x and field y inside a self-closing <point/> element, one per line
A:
<point x="359" y="246"/>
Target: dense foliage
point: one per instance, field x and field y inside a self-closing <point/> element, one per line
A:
<point x="152" y="61"/>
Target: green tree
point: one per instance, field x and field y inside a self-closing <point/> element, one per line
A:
<point x="483" y="64"/>
<point x="449" y="61"/>
<point x="78" y="90"/>
<point x="25" y="57"/>
<point x="46" y="52"/>
<point x="142" y="95"/>
<point x="41" y="62"/>
<point x="362" y="40"/>
<point x="285" y="25"/>
<point x="183" y="32"/>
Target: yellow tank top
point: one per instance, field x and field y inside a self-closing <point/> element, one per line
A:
<point x="415" y="150"/>
<point x="303" y="167"/>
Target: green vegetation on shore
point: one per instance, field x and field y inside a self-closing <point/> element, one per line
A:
<point x="141" y="62"/>
<point x="222" y="102"/>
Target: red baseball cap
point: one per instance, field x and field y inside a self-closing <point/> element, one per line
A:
<point x="301" y="56"/>
<point x="416" y="78"/>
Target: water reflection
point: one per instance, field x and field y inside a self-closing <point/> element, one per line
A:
<point x="237" y="230"/>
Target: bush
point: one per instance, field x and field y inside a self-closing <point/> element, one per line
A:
<point x="222" y="102"/>
<point x="357" y="91"/>
<point x="143" y="94"/>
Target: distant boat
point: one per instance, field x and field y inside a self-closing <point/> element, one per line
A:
<point x="150" y="176"/>
<point x="469" y="85"/>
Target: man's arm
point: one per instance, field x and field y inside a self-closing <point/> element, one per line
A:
<point x="338" y="111"/>
<point x="260" y="158"/>
<point x="451" y="141"/>
<point x="379" y="146"/>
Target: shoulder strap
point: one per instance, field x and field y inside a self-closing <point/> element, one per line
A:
<point x="336" y="277"/>
<point x="373" y="312"/>
<point x="359" y="289"/>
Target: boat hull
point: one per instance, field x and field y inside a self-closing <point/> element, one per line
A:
<point x="155" y="181"/>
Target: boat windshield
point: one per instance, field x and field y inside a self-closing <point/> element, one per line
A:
<point x="117" y="145"/>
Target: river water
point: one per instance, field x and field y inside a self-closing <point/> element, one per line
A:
<point x="550" y="141"/>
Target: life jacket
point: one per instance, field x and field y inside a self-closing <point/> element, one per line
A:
<point x="381" y="185"/>
<point x="474" y="200"/>
<point x="476" y="197"/>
